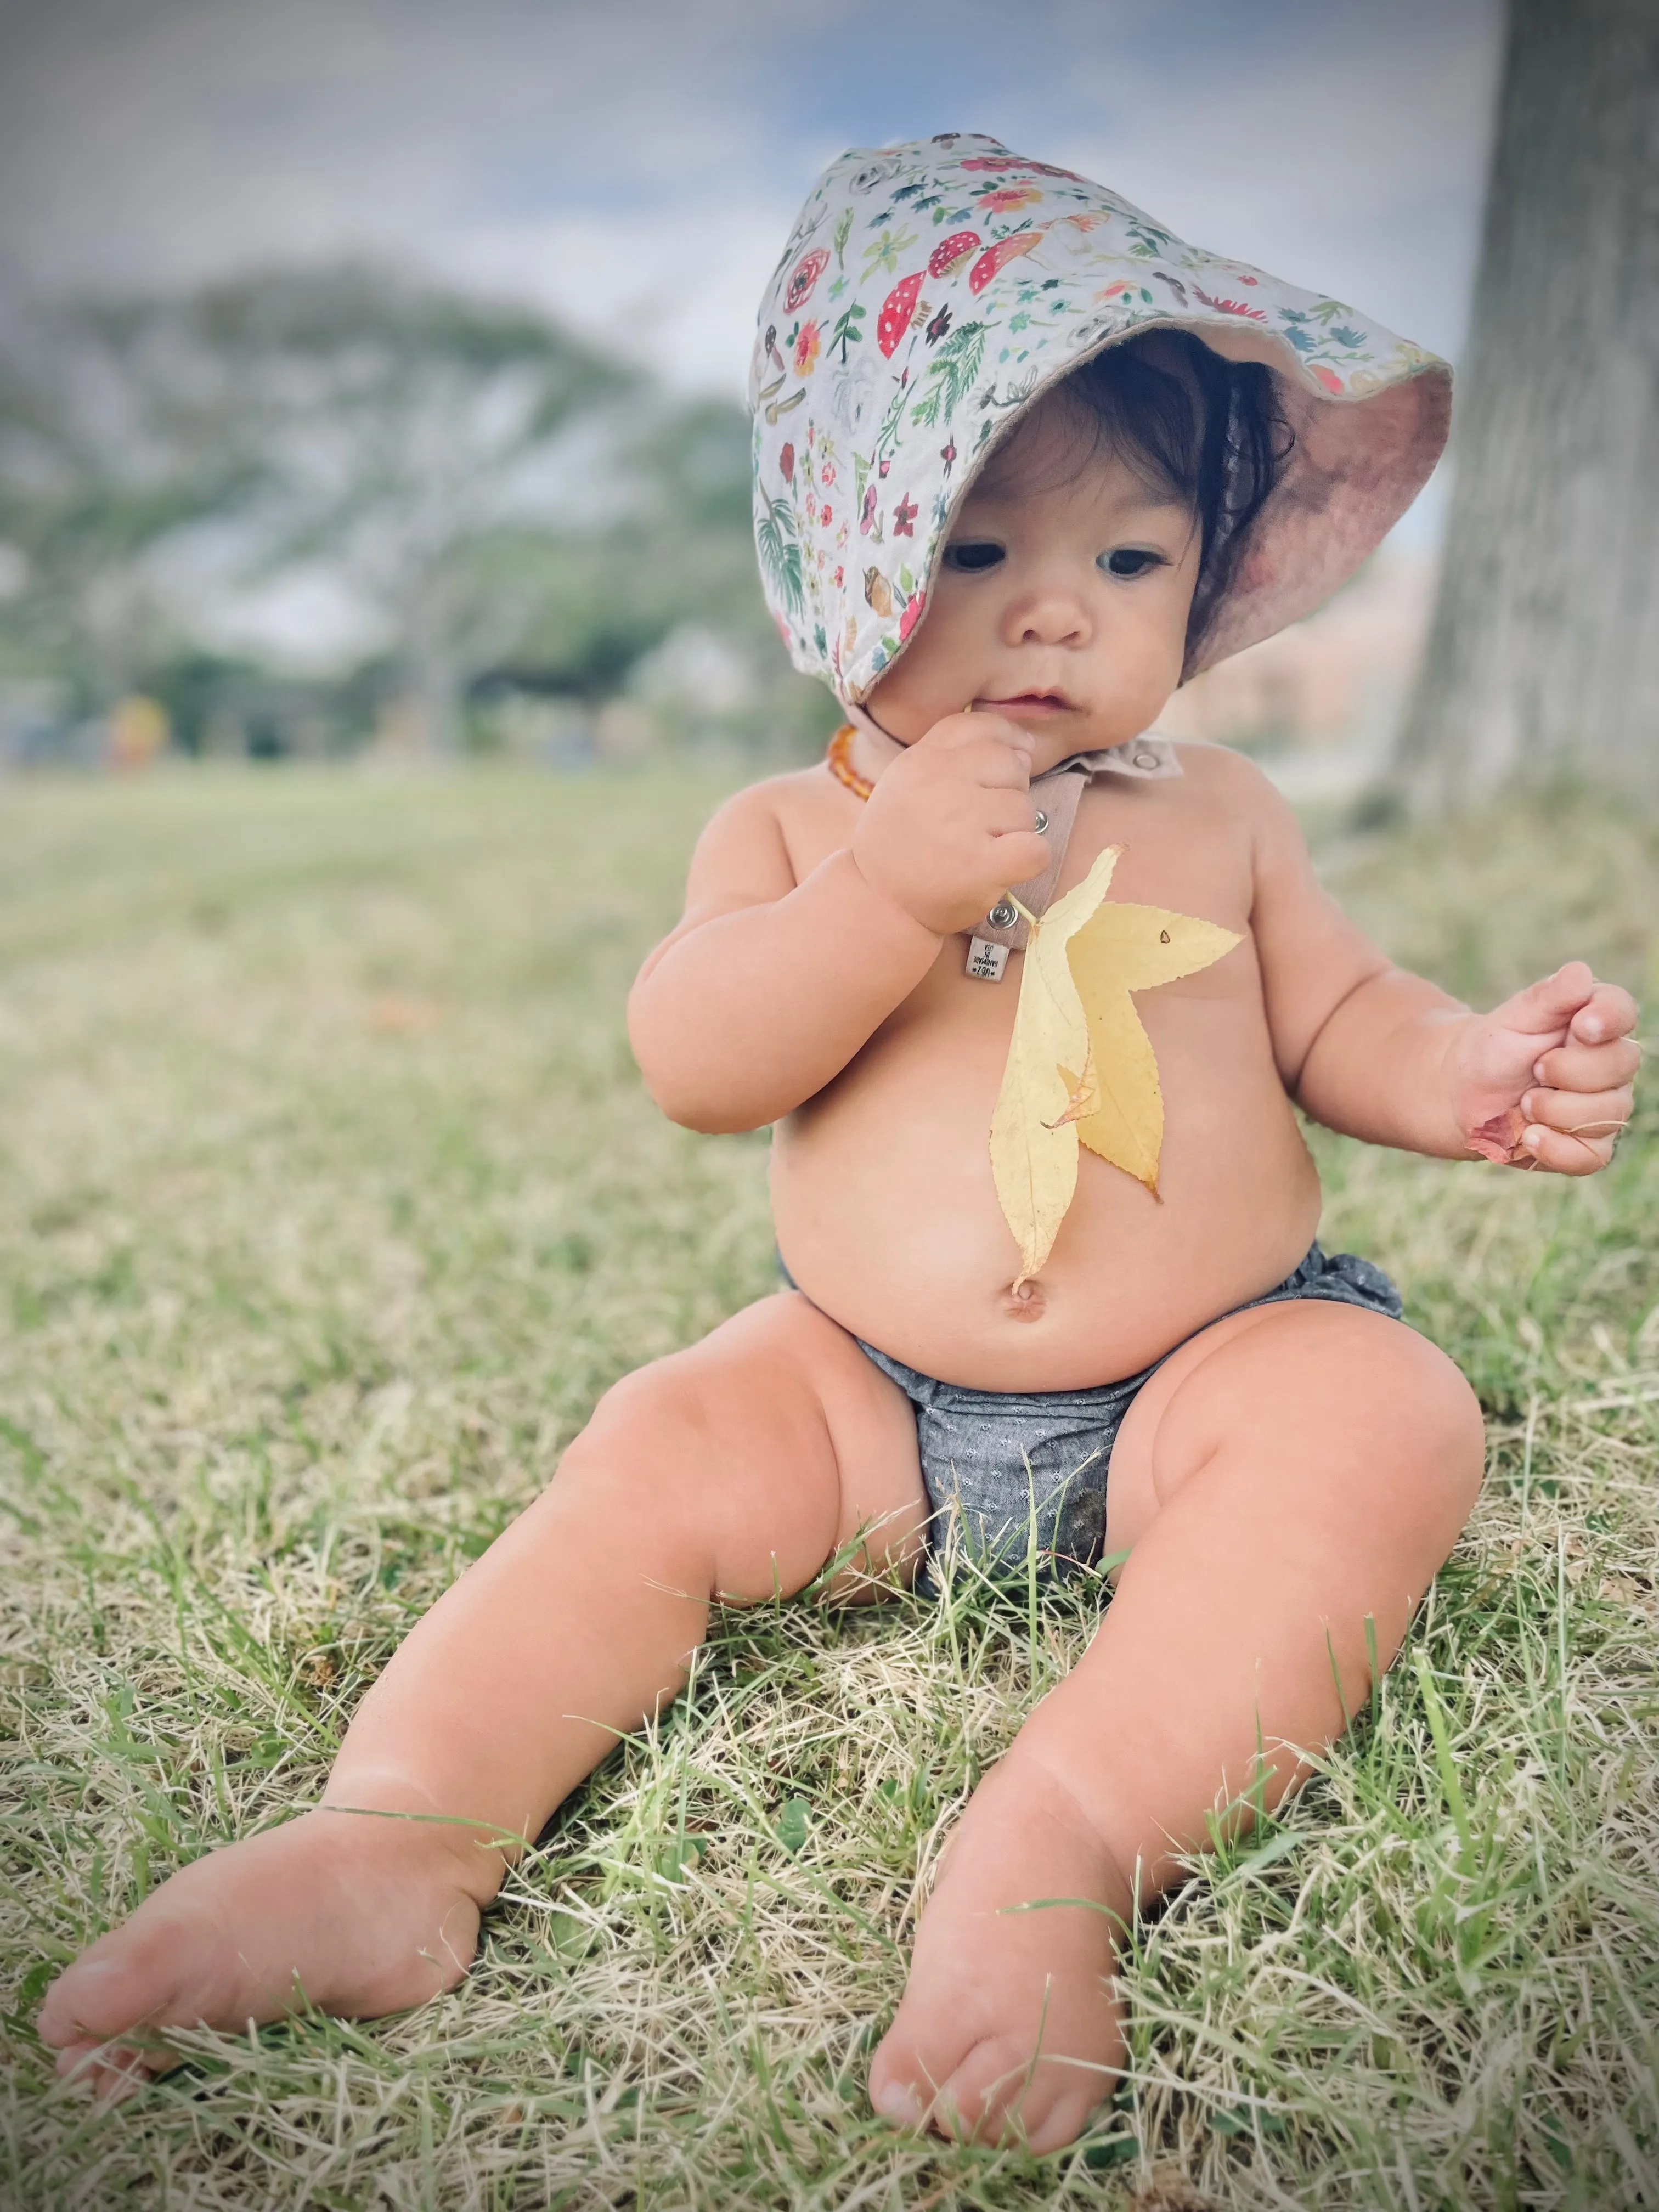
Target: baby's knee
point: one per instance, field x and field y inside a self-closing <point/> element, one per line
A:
<point x="721" y="1456"/>
<point x="654" y="1410"/>
<point x="1438" y="1417"/>
<point x="1454" y="1415"/>
<point x="1395" y="1426"/>
<point x="642" y="1468"/>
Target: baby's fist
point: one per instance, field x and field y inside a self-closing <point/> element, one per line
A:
<point x="950" y="824"/>
<point x="1544" y="1080"/>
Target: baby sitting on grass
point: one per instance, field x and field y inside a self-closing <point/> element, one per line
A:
<point x="1023" y="460"/>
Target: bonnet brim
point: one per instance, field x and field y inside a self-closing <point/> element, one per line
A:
<point x="928" y="297"/>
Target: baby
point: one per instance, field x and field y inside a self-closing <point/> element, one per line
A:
<point x="1023" y="460"/>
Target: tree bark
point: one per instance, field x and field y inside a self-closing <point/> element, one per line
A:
<point x="1543" y="654"/>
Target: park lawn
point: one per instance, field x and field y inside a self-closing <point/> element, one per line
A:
<point x="329" y="1200"/>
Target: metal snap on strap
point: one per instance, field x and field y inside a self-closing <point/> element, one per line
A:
<point x="1003" y="915"/>
<point x="1041" y="821"/>
<point x="1146" y="760"/>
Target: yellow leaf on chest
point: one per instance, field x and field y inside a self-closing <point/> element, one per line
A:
<point x="1082" y="959"/>
<point x="1124" y="949"/>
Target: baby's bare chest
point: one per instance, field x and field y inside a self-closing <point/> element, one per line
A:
<point x="941" y="1051"/>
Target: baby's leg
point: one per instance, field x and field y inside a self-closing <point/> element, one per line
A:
<point x="1289" y="1473"/>
<point x="735" y="1469"/>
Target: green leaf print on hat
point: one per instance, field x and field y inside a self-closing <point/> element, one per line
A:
<point x="931" y="293"/>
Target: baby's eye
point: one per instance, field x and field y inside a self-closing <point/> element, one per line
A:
<point x="971" y="555"/>
<point x="1129" y="561"/>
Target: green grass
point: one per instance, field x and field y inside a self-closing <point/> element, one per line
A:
<point x="329" y="1201"/>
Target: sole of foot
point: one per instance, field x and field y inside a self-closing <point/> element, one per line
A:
<point x="1010" y="2030"/>
<point x="355" y="1914"/>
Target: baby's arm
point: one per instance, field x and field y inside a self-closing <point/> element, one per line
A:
<point x="769" y="987"/>
<point x="1543" y="1080"/>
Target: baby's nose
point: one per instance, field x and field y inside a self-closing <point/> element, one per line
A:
<point x="1054" y="616"/>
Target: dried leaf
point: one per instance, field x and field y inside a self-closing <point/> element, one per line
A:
<point x="1500" y="1139"/>
<point x="1082" y="959"/>
<point x="1123" y="949"/>
<point x="1085" y="1092"/>
<point x="1126" y="1127"/>
<point x="1034" y="1130"/>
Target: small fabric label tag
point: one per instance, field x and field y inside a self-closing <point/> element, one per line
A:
<point x="986" y="960"/>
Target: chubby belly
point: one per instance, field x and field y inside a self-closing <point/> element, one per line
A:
<point x="887" y="1217"/>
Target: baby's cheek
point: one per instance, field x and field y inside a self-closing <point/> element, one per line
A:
<point x="927" y="685"/>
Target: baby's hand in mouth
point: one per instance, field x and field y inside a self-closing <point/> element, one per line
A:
<point x="952" y="822"/>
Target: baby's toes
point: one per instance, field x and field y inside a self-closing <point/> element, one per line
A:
<point x="990" y="2096"/>
<point x="914" y="2068"/>
<point x="114" y="2070"/>
<point x="150" y="1972"/>
<point x="101" y="1994"/>
<point x="1042" y="2107"/>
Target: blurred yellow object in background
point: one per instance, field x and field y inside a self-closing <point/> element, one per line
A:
<point x="138" y="730"/>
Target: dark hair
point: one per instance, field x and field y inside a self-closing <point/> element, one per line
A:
<point x="1194" y="424"/>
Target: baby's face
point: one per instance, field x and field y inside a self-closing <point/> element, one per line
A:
<point x="1062" y="601"/>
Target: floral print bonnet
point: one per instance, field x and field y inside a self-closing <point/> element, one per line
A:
<point x="929" y="293"/>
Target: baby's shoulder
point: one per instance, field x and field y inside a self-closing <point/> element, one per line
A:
<point x="1232" y="790"/>
<point x="800" y="800"/>
<point x="1213" y="772"/>
<point x="783" y="825"/>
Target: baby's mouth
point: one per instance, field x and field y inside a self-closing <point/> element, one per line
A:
<point x="1031" y="705"/>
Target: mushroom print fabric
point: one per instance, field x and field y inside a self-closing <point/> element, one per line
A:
<point x="929" y="293"/>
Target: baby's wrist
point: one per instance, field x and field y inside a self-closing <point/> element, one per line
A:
<point x="892" y="901"/>
<point x="1459" y="1076"/>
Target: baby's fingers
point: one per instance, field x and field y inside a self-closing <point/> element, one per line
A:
<point x="1609" y="1012"/>
<point x="1585" y="1144"/>
<point x="1020" y="854"/>
<point x="986" y="749"/>
<point x="1579" y="1112"/>
<point x="1569" y="1156"/>
<point x="1587" y="1067"/>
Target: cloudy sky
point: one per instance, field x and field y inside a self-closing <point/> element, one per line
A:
<point x="635" y="164"/>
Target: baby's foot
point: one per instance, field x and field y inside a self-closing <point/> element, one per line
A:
<point x="1009" y="2027"/>
<point x="355" y="1914"/>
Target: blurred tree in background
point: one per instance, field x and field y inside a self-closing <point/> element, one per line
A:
<point x="395" y="434"/>
<point x="328" y="493"/>
<point x="1544" y="651"/>
<point x="101" y="464"/>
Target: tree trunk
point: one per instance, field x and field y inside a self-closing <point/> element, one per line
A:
<point x="430" y="659"/>
<point x="1543" y="655"/>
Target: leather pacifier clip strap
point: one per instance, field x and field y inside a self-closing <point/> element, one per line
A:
<point x="1004" y="930"/>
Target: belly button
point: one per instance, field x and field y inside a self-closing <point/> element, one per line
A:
<point x="1023" y="1301"/>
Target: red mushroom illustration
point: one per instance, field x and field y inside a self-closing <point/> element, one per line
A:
<point x="1229" y="306"/>
<point x="950" y="251"/>
<point x="998" y="257"/>
<point x="808" y="269"/>
<point x="896" y="310"/>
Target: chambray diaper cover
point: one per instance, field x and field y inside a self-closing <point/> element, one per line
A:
<point x="996" y="1462"/>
